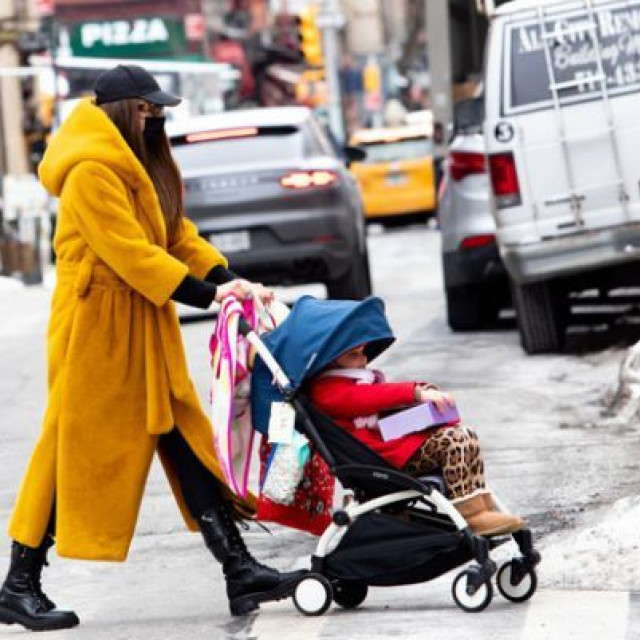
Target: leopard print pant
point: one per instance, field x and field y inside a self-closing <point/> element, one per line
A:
<point x="455" y="451"/>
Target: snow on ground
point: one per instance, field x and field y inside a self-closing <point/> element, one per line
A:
<point x="10" y="284"/>
<point x="603" y="552"/>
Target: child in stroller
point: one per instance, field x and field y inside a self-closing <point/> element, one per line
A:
<point x="398" y="529"/>
<point x="353" y="396"/>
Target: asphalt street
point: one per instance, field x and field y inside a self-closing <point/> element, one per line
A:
<point x="537" y="418"/>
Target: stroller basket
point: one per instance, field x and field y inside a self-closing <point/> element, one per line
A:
<point x="383" y="550"/>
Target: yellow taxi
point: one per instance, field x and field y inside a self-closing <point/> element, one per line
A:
<point x="397" y="177"/>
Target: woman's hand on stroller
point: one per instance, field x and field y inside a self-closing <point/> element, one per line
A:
<point x="427" y="393"/>
<point x="262" y="293"/>
<point x="243" y="289"/>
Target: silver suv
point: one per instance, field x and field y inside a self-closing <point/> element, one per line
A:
<point x="475" y="281"/>
<point x="268" y="188"/>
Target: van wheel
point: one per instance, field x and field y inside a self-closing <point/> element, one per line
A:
<point x="540" y="311"/>
<point x="470" y="308"/>
<point x="353" y="285"/>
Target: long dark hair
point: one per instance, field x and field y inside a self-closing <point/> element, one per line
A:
<point x="157" y="160"/>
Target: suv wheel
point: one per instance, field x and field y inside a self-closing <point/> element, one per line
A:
<point x="540" y="311"/>
<point x="353" y="285"/>
<point x="470" y="308"/>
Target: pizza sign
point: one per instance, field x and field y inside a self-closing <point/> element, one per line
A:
<point x="146" y="36"/>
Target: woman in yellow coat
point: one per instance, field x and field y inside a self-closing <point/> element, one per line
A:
<point x="119" y="388"/>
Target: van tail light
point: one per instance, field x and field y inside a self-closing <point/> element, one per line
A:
<point x="462" y="165"/>
<point x="481" y="240"/>
<point x="504" y="180"/>
<point x="313" y="179"/>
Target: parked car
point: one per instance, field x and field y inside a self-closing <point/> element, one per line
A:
<point x="475" y="281"/>
<point x="561" y="129"/>
<point x="266" y="187"/>
<point x="397" y="176"/>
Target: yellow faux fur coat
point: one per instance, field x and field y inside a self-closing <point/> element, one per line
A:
<point x="117" y="371"/>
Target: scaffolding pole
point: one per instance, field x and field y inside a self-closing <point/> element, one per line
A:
<point x="330" y="21"/>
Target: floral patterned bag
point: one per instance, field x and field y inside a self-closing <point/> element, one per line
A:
<point x="313" y="497"/>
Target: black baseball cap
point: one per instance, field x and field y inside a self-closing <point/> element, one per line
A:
<point x="131" y="81"/>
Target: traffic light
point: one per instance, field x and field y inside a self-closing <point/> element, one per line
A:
<point x="371" y="78"/>
<point x="310" y="37"/>
<point x="372" y="85"/>
<point x="311" y="88"/>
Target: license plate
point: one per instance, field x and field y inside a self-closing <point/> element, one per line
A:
<point x="231" y="241"/>
<point x="396" y="178"/>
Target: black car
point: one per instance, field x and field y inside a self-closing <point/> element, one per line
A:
<point x="271" y="192"/>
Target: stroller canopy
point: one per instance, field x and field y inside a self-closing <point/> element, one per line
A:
<point x="313" y="335"/>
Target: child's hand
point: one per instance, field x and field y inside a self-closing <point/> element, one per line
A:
<point x="439" y="398"/>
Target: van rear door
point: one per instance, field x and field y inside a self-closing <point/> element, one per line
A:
<point x="569" y="100"/>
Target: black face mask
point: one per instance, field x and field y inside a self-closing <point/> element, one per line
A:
<point x="153" y="130"/>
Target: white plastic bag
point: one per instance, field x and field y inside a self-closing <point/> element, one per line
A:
<point x="284" y="469"/>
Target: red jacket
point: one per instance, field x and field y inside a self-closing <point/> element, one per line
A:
<point x="344" y="400"/>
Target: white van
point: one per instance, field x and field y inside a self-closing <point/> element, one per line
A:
<point x="562" y="133"/>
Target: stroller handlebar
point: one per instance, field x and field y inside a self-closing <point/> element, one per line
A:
<point x="279" y="375"/>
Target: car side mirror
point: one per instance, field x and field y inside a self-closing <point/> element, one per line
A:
<point x="353" y="154"/>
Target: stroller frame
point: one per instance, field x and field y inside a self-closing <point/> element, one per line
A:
<point x="417" y="500"/>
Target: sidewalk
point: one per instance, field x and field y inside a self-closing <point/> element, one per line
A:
<point x="23" y="307"/>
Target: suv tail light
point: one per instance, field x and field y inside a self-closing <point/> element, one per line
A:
<point x="481" y="240"/>
<point x="463" y="164"/>
<point x="504" y="180"/>
<point x="308" y="179"/>
<point x="221" y="134"/>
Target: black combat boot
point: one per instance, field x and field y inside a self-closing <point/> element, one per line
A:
<point x="248" y="582"/>
<point x="22" y="600"/>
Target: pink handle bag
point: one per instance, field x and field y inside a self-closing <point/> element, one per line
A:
<point x="231" y="358"/>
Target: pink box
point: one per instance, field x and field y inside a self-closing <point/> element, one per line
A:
<point x="416" y="418"/>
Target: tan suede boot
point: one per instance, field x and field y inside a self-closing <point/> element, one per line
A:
<point x="491" y="506"/>
<point x="482" y="521"/>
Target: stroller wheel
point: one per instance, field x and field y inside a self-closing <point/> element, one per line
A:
<point x="312" y="595"/>
<point x="516" y="582"/>
<point x="470" y="592"/>
<point x="349" y="595"/>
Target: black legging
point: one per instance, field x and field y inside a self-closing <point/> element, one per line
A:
<point x="200" y="487"/>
